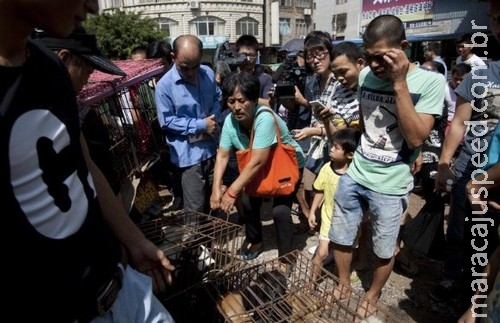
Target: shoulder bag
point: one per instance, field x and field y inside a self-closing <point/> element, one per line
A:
<point x="279" y="175"/>
<point x="317" y="156"/>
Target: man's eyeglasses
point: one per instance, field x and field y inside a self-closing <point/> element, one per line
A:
<point x="379" y="58"/>
<point x="251" y="55"/>
<point x="319" y="55"/>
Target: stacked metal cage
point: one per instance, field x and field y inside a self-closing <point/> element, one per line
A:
<point x="202" y="248"/>
<point x="126" y="108"/>
<point x="266" y="293"/>
<point x="131" y="120"/>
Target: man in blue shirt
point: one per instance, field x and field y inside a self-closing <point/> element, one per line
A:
<point x="188" y="107"/>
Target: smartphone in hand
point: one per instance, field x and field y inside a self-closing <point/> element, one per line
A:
<point x="316" y="106"/>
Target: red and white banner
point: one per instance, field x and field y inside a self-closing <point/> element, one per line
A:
<point x="414" y="13"/>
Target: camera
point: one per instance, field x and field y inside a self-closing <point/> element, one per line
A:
<point x="287" y="76"/>
<point x="224" y="53"/>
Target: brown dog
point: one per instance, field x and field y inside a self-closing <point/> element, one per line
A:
<point x="232" y="305"/>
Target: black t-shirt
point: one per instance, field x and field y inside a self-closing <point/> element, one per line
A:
<point x="59" y="250"/>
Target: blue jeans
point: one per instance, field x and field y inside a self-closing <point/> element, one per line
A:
<point x="351" y="200"/>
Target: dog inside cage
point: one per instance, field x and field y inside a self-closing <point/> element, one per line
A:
<point x="264" y="293"/>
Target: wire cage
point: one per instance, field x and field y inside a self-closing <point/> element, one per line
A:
<point x="201" y="247"/>
<point x="125" y="108"/>
<point x="131" y="121"/>
<point x="265" y="293"/>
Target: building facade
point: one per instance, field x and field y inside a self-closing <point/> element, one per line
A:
<point x="274" y="23"/>
<point x="215" y="22"/>
<point x="346" y="19"/>
<point x="340" y="18"/>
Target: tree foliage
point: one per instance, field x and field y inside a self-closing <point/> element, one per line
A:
<point x="119" y="32"/>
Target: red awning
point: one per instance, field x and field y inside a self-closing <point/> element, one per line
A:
<point x="102" y="85"/>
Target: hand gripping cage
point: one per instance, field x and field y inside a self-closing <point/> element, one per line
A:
<point x="264" y="293"/>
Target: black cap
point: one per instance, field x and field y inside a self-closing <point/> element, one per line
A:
<point x="82" y="43"/>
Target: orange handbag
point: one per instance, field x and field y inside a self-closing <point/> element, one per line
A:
<point x="279" y="175"/>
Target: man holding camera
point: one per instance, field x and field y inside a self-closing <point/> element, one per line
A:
<point x="298" y="111"/>
<point x="247" y="45"/>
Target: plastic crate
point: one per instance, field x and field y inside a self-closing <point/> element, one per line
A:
<point x="264" y="294"/>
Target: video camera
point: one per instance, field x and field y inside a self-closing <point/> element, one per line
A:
<point x="287" y="76"/>
<point x="229" y="56"/>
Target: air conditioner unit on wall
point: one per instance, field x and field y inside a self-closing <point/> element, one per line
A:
<point x="307" y="12"/>
<point x="194" y="5"/>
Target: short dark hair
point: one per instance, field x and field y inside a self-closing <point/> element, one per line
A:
<point x="247" y="83"/>
<point x="138" y="49"/>
<point x="435" y="47"/>
<point x="385" y="27"/>
<point x="464" y="38"/>
<point x="247" y="41"/>
<point x="347" y="138"/>
<point x="461" y="69"/>
<point x="347" y="48"/>
<point x="316" y="39"/>
<point x="159" y="49"/>
<point x="317" y="33"/>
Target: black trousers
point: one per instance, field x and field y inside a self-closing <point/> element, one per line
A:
<point x="280" y="212"/>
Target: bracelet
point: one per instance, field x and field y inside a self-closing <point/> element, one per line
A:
<point x="231" y="194"/>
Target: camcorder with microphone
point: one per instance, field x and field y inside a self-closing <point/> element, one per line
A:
<point x="287" y="76"/>
<point x="225" y="54"/>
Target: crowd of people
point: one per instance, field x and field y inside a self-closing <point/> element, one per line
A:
<point x="386" y="121"/>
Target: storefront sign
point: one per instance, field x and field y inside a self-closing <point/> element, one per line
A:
<point x="414" y="13"/>
<point x="212" y="41"/>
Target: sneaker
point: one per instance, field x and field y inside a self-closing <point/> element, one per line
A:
<point x="444" y="291"/>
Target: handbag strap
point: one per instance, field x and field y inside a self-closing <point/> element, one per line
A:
<point x="276" y="126"/>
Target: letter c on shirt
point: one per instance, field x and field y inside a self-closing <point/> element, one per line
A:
<point x="29" y="187"/>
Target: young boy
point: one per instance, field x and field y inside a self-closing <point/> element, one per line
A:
<point x="344" y="143"/>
